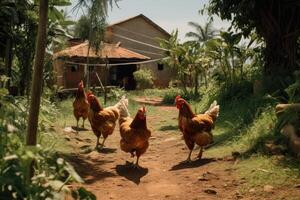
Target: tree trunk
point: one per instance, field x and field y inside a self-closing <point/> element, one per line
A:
<point x="36" y="86"/>
<point x="279" y="26"/>
<point x="184" y="84"/>
<point x="196" y="83"/>
<point x="205" y="79"/>
<point x="8" y="60"/>
<point x="280" y="62"/>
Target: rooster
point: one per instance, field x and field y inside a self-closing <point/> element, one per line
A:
<point x="80" y="104"/>
<point x="103" y="120"/>
<point x="196" y="128"/>
<point x="134" y="133"/>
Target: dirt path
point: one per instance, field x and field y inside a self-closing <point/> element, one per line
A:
<point x="109" y="175"/>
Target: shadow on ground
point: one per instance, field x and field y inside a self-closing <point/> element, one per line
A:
<point x="89" y="169"/>
<point x="193" y="164"/>
<point x="106" y="150"/>
<point x="168" y="128"/>
<point x="129" y="172"/>
<point x="79" y="128"/>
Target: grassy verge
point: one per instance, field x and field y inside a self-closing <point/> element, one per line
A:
<point x="245" y="125"/>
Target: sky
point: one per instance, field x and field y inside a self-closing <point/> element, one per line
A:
<point x="168" y="14"/>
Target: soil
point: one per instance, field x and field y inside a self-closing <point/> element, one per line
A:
<point x="109" y="174"/>
<point x="154" y="101"/>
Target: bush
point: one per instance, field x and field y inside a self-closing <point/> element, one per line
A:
<point x="143" y="78"/>
<point x="51" y="173"/>
<point x="170" y="94"/>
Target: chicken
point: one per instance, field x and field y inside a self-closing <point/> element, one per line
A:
<point x="80" y="104"/>
<point x="103" y="120"/>
<point x="196" y="128"/>
<point x="134" y="133"/>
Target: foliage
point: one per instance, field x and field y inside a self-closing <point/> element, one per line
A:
<point x="202" y="34"/>
<point x="233" y="63"/>
<point x="97" y="12"/>
<point x="170" y="94"/>
<point x="143" y="78"/>
<point x="51" y="172"/>
<point x="19" y="20"/>
<point x="291" y="115"/>
<point x="82" y="27"/>
<point x="272" y="21"/>
<point x="293" y="90"/>
<point x="184" y="59"/>
<point x="221" y="58"/>
<point x="116" y="93"/>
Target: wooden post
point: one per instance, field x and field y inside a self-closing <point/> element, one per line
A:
<point x="37" y="82"/>
<point x="87" y="75"/>
<point x="105" y="79"/>
<point x="64" y="75"/>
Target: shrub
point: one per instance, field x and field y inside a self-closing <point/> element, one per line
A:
<point x="116" y="94"/>
<point x="170" y="94"/>
<point x="51" y="173"/>
<point x="143" y="78"/>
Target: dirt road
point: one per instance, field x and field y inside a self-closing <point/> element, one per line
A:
<point x="109" y="174"/>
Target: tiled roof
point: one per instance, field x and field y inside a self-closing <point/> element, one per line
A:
<point x="107" y="50"/>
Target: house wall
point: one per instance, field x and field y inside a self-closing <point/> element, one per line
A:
<point x="67" y="77"/>
<point x="58" y="66"/>
<point x="161" y="77"/>
<point x="137" y="29"/>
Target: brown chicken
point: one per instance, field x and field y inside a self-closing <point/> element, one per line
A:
<point x="134" y="133"/>
<point x="80" y="104"/>
<point x="103" y="120"/>
<point x="196" y="128"/>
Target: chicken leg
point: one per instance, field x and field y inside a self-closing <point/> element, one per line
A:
<point x="77" y="125"/>
<point x="97" y="144"/>
<point x="102" y="144"/>
<point x="188" y="160"/>
<point x="200" y="153"/>
<point x="83" y="122"/>
<point x="136" y="165"/>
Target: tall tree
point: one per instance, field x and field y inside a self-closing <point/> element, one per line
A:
<point x="82" y="27"/>
<point x="36" y="88"/>
<point x="101" y="8"/>
<point x="277" y="22"/>
<point x="202" y="33"/>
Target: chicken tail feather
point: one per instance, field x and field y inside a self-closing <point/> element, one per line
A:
<point x="213" y="110"/>
<point x="123" y="107"/>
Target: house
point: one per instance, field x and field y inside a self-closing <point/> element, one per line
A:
<point x="69" y="65"/>
<point x="140" y="34"/>
<point x="129" y="45"/>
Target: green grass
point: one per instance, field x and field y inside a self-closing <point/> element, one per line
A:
<point x="261" y="170"/>
<point x="244" y="126"/>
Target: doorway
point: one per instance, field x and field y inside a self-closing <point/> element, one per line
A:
<point x="123" y="76"/>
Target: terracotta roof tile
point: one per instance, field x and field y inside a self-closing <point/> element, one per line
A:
<point x="109" y="50"/>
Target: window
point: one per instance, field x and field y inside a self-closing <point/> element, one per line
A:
<point x="91" y="68"/>
<point x="160" y="67"/>
<point x="74" y="68"/>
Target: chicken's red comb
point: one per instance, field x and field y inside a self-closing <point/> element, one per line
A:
<point x="144" y="109"/>
<point x="178" y="97"/>
<point x="88" y="93"/>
